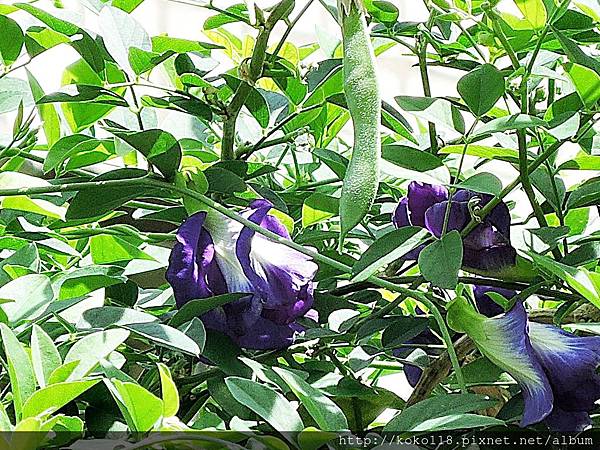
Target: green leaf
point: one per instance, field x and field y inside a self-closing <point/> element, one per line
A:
<point x="443" y="412"/>
<point x="440" y="261"/>
<point x="402" y="329"/>
<point x="48" y="114"/>
<point x="319" y="208"/>
<point x="160" y="147"/>
<point x="508" y="123"/>
<point x="586" y="81"/>
<point x="388" y="248"/>
<point x="163" y="44"/>
<point x="83" y="280"/>
<point x="92" y="348"/>
<point x="221" y="19"/>
<point x="13" y="92"/>
<point x="482" y="182"/>
<point x="170" y="396"/>
<point x="255" y="102"/>
<point x="143" y="61"/>
<point x="55" y="23"/>
<point x="194" y="106"/>
<point x="336" y="162"/>
<point x="438" y="111"/>
<point x="164" y="335"/>
<point x="20" y="370"/>
<point x="104" y="199"/>
<point x="534" y="12"/>
<point x="62" y="372"/>
<point x="482" y="88"/>
<point x="327" y="415"/>
<point x="197" y="307"/>
<point x="30" y="295"/>
<point x="224" y="181"/>
<point x="575" y="54"/>
<point x="264" y="401"/>
<point x="141" y="408"/>
<point x="110" y="316"/>
<point x="11" y="40"/>
<point x="107" y="249"/>
<point x="76" y="148"/>
<point x="120" y="32"/>
<point x="44" y="355"/>
<point x="82" y="93"/>
<point x="410" y="158"/>
<point x="80" y="116"/>
<point x="587" y="194"/>
<point x="53" y="397"/>
<point x="382" y="11"/>
<point x="194" y="329"/>
<point x="483" y="151"/>
<point x="580" y="279"/>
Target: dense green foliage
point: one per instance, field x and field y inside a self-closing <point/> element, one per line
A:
<point x="96" y="177"/>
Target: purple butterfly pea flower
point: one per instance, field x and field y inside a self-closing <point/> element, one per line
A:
<point x="555" y="369"/>
<point x="487" y="247"/>
<point x="216" y="255"/>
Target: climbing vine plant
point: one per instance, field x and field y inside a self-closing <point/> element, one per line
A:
<point x="242" y="234"/>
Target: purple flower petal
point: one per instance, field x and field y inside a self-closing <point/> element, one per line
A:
<point x="499" y="217"/>
<point x="280" y="275"/>
<point x="504" y="341"/>
<point x="413" y="374"/>
<point x="570" y="362"/>
<point x="523" y="365"/>
<point x="485" y="304"/>
<point x="458" y="218"/>
<point x="215" y="255"/>
<point x="421" y="196"/>
<point x="400" y="216"/>
<point x="491" y="258"/>
<point x="193" y="272"/>
<point x="567" y="422"/>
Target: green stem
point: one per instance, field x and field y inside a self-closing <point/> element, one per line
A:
<point x="541" y="159"/>
<point x="246" y="151"/>
<point x="452" y="189"/>
<point x="255" y="70"/>
<point x="284" y="122"/>
<point x="395" y="39"/>
<point x="422" y="56"/>
<point x="289" y="29"/>
<point x="521" y="134"/>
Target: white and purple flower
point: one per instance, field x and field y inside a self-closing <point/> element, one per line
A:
<point x="487" y="247"/>
<point x="216" y="255"/>
<point x="555" y="369"/>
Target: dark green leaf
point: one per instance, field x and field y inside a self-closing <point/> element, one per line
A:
<point x="224" y="181"/>
<point x="483" y="182"/>
<point x="11" y="40"/>
<point x="264" y="401"/>
<point x="387" y="249"/>
<point x="440" y="261"/>
<point x="103" y="199"/>
<point x="82" y="93"/>
<point x="482" y="88"/>
<point x="410" y="158"/>
<point x="197" y="307"/>
<point x="443" y="412"/>
<point x="160" y="147"/>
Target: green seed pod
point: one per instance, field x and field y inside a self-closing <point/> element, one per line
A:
<point x="364" y="104"/>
